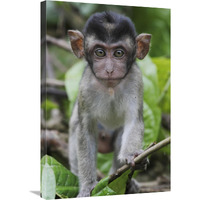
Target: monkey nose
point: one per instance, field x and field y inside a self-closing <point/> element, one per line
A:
<point x="109" y="72"/>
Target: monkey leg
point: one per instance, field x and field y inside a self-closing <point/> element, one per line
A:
<point x="73" y="152"/>
<point x="132" y="187"/>
<point x="116" y="164"/>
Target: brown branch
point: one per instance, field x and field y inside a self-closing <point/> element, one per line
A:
<point x="152" y="149"/>
<point x="138" y="159"/>
<point x="53" y="91"/>
<point x="59" y="42"/>
<point x="53" y="82"/>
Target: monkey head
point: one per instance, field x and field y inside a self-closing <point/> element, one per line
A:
<point x="110" y="45"/>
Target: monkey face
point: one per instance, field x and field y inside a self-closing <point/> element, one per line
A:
<point x="110" y="46"/>
<point x="109" y="61"/>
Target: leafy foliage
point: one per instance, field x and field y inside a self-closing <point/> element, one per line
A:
<point x="56" y="177"/>
<point x="152" y="113"/>
<point x="48" y="105"/>
<point x="48" y="182"/>
<point x="115" y="187"/>
<point x="104" y="162"/>
<point x="163" y="70"/>
<point x="57" y="180"/>
<point x="72" y="79"/>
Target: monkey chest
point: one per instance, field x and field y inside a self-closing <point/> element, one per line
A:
<point x="110" y="113"/>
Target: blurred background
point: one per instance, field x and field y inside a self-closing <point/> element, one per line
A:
<point x="61" y="72"/>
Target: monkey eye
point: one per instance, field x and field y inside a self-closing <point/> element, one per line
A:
<point x="100" y="52"/>
<point x="118" y="53"/>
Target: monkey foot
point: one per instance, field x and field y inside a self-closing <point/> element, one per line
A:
<point x="85" y="192"/>
<point x="133" y="187"/>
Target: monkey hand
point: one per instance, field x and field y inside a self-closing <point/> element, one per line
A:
<point x="86" y="190"/>
<point x="142" y="165"/>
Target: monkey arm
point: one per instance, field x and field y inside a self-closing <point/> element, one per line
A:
<point x="131" y="145"/>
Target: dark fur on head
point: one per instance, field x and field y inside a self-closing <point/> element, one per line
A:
<point x="96" y="25"/>
<point x="120" y="27"/>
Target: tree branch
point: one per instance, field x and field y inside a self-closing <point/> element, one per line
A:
<point x="53" y="82"/>
<point x="152" y="149"/>
<point x="138" y="159"/>
<point x="53" y="91"/>
<point x="58" y="42"/>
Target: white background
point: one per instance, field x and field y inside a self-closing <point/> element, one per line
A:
<point x="20" y="98"/>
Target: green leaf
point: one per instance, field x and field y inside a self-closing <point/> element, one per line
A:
<point x="163" y="69"/>
<point x="66" y="182"/>
<point x="152" y="112"/>
<point x="72" y="79"/>
<point x="48" y="105"/>
<point x="104" y="162"/>
<point x="117" y="186"/>
<point x="105" y="192"/>
<point x="152" y="119"/>
<point x="150" y="80"/>
<point x="48" y="182"/>
<point x="101" y="185"/>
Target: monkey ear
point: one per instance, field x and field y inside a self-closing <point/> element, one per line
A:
<point x="143" y="44"/>
<point x="76" y="39"/>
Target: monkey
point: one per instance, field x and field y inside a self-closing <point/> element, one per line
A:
<point x="110" y="94"/>
<point x="105" y="140"/>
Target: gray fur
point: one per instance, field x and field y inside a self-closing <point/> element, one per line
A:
<point x="96" y="104"/>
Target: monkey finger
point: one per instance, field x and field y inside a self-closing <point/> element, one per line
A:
<point x="130" y="160"/>
<point x="142" y="165"/>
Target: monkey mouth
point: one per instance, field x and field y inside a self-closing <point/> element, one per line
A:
<point x="108" y="82"/>
<point x="110" y="79"/>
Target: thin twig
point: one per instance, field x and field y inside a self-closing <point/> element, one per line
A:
<point x="53" y="82"/>
<point x="58" y="42"/>
<point x="53" y="91"/>
<point x="151" y="150"/>
<point x="139" y="158"/>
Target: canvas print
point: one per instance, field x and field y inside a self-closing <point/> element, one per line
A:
<point x="105" y="100"/>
